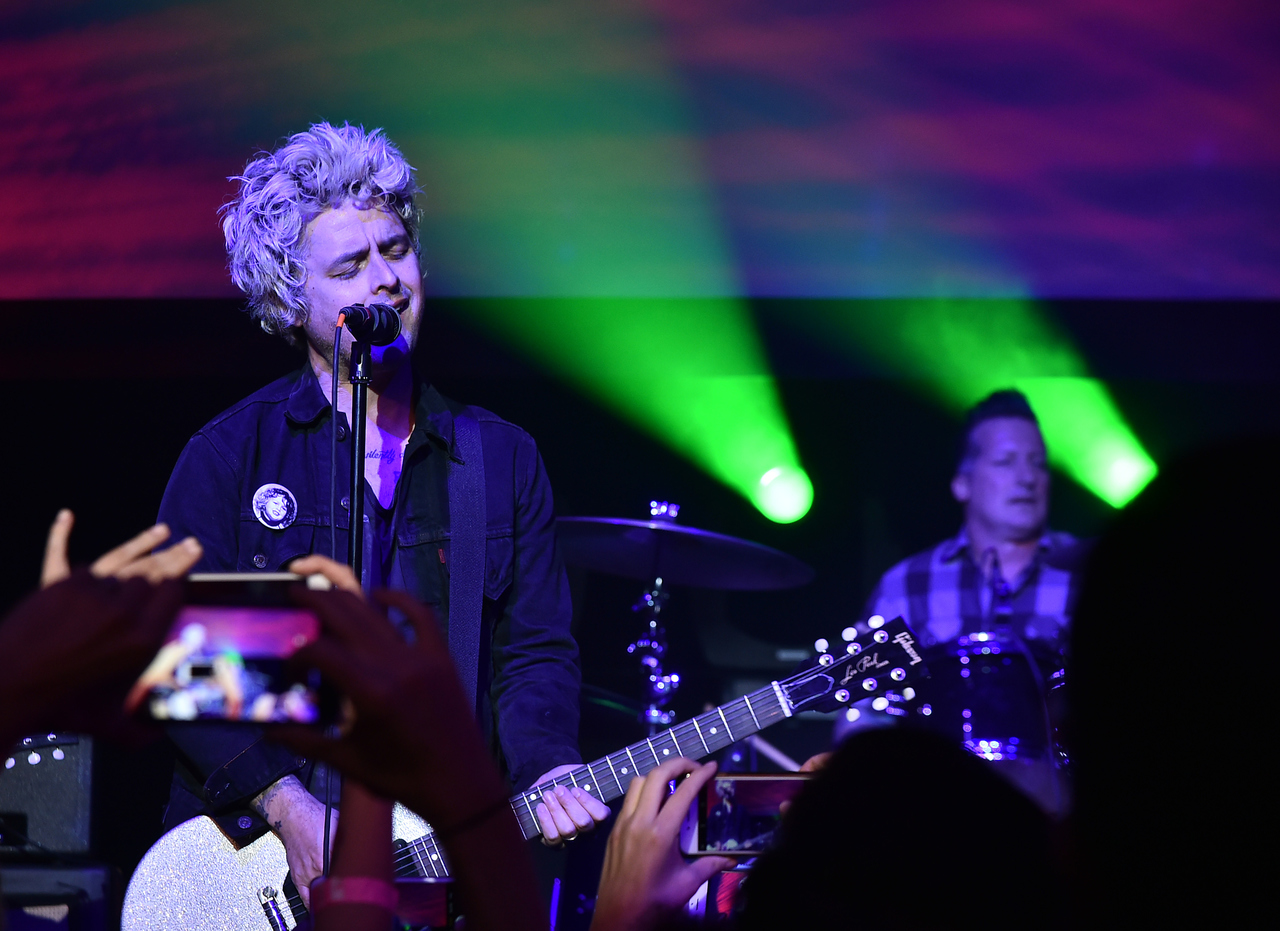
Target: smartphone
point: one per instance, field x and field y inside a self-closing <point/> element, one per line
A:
<point x="736" y="814"/>
<point x="226" y="656"/>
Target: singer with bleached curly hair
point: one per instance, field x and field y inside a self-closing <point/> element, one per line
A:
<point x="326" y="221"/>
<point x="282" y="191"/>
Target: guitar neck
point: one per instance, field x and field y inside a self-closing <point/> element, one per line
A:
<point x="608" y="777"/>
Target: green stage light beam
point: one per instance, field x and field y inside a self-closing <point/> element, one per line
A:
<point x="561" y="161"/>
<point x="1088" y="438"/>
<point x="960" y="350"/>
<point x="690" y="372"/>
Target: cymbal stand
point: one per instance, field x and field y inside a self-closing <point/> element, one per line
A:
<point x="651" y="646"/>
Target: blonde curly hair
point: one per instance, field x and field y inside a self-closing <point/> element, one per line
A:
<point x="282" y="191"/>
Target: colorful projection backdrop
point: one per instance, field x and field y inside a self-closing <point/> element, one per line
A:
<point x="674" y="148"/>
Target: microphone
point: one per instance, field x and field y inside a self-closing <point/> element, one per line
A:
<point x="377" y="324"/>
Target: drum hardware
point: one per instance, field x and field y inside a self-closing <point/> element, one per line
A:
<point x="671" y="554"/>
<point x="764" y="748"/>
<point x="649" y="649"/>
<point x="659" y="548"/>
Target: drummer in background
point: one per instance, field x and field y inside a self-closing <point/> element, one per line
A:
<point x="1004" y="577"/>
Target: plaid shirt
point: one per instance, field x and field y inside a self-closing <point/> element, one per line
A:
<point x="944" y="592"/>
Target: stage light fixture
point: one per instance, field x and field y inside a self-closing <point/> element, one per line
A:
<point x="785" y="494"/>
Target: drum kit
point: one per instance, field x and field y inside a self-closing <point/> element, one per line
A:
<point x="985" y="692"/>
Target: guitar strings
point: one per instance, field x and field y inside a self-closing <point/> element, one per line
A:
<point x="740" y="718"/>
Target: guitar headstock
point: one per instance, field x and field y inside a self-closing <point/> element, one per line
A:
<point x="883" y="662"/>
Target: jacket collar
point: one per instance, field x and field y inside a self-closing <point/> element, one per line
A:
<point x="434" y="417"/>
<point x="306" y="405"/>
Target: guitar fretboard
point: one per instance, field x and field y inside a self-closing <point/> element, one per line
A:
<point x="608" y="777"/>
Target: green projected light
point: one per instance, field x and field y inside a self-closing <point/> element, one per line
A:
<point x="1088" y="438"/>
<point x="691" y="373"/>
<point x="963" y="349"/>
<point x="560" y="156"/>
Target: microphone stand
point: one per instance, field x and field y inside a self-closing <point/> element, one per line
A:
<point x="361" y="363"/>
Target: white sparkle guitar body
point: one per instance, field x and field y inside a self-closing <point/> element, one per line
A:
<point x="194" y="879"/>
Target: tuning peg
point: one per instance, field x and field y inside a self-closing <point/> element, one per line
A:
<point x="854" y="648"/>
<point x="880" y="703"/>
<point x="820" y="645"/>
<point x="869" y="684"/>
<point x="842" y="695"/>
<point x="875" y="622"/>
<point x="849" y="633"/>
<point x="908" y="693"/>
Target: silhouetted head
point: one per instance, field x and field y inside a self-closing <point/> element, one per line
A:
<point x="905" y="830"/>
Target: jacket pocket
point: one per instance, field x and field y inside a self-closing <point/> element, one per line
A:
<point x="499" y="564"/>
<point x="264" y="550"/>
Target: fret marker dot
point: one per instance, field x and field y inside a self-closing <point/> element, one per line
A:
<point x="624" y="769"/>
<point x="713" y="730"/>
<point x="666" y="752"/>
<point x="586" y="788"/>
<point x="434" y="857"/>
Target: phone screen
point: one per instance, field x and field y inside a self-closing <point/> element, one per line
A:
<point x="225" y="658"/>
<point x="737" y="814"/>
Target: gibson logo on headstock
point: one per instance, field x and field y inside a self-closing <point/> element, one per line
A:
<point x="863" y="664"/>
<point x="904" y="640"/>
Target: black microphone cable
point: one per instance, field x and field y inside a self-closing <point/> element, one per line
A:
<point x="333" y="446"/>
<point x="333" y="547"/>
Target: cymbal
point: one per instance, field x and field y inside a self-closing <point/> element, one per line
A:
<point x="652" y="549"/>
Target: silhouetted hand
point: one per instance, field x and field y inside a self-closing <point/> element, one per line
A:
<point x="645" y="877"/>
<point x="816" y="762"/>
<point x="129" y="559"/>
<point x="413" y="736"/>
<point x="70" y="652"/>
<point x="339" y="574"/>
<point x="293" y="812"/>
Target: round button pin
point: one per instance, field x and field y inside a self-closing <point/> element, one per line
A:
<point x="275" y="506"/>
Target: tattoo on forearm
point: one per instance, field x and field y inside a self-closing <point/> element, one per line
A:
<point x="262" y="801"/>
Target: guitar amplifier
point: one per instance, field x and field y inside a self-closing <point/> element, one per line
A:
<point x="46" y="785"/>
<point x="53" y="898"/>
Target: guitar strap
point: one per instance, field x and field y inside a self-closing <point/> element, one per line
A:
<point x="467" y="523"/>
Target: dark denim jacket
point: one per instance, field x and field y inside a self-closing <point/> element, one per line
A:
<point x="527" y="699"/>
